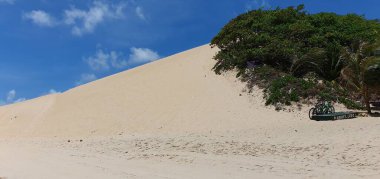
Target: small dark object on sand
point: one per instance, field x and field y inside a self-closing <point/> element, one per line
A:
<point x="68" y="141"/>
<point x="81" y="140"/>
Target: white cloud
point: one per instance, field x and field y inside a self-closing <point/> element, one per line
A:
<point x="11" y="98"/>
<point x="255" y="4"/>
<point x="40" y="18"/>
<point x="140" y="13"/>
<point x="85" y="21"/>
<point x="7" y="1"/>
<point x="117" y="60"/>
<point x="19" y="100"/>
<point x="81" y="21"/>
<point x="11" y="95"/>
<point x="142" y="55"/>
<point x="102" y="61"/>
<point x="53" y="91"/>
<point x="86" y="78"/>
<point x="99" y="61"/>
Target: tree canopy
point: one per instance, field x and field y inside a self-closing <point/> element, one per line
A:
<point x="282" y="37"/>
<point x="337" y="48"/>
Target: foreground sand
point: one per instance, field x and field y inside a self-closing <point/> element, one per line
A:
<point x="175" y="118"/>
<point x="342" y="149"/>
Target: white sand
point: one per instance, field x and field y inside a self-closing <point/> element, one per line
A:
<point x="175" y="118"/>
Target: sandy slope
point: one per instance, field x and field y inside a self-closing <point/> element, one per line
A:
<point x="175" y="118"/>
<point x="179" y="93"/>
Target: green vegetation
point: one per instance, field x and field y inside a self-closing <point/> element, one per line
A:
<point x="288" y="88"/>
<point x="295" y="55"/>
<point x="371" y="75"/>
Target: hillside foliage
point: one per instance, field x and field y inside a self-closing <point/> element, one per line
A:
<point x="294" y="43"/>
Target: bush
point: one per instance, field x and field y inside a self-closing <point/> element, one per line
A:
<point x="260" y="76"/>
<point x="287" y="89"/>
<point x="276" y="49"/>
<point x="350" y="104"/>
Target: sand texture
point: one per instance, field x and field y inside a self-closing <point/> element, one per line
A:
<point x="175" y="118"/>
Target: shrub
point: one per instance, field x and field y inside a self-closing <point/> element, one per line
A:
<point x="350" y="104"/>
<point x="284" y="45"/>
<point x="260" y="76"/>
<point x="287" y="89"/>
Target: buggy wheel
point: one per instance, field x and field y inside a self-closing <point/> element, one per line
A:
<point x="311" y="113"/>
<point x="330" y="110"/>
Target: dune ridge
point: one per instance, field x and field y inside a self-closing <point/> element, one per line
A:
<point x="178" y="93"/>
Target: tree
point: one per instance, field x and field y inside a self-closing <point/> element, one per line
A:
<point x="371" y="78"/>
<point x="372" y="73"/>
<point x="336" y="47"/>
<point x="291" y="40"/>
<point x="327" y="63"/>
<point x="272" y="37"/>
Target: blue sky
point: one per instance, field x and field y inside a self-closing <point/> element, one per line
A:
<point x="51" y="46"/>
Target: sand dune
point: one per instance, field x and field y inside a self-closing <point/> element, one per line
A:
<point x="174" y="118"/>
<point x="179" y="93"/>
